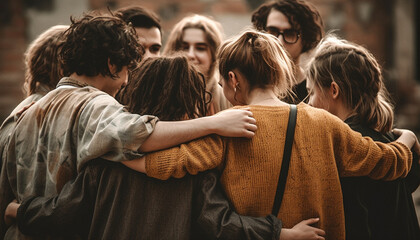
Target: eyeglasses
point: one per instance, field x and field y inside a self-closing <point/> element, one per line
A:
<point x="289" y="35"/>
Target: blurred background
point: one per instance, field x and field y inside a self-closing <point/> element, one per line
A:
<point x="388" y="28"/>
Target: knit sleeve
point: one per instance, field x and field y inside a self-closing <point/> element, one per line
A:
<point x="361" y="156"/>
<point x="193" y="157"/>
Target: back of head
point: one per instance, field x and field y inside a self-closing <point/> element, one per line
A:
<point x="139" y="17"/>
<point x="260" y="58"/>
<point x="359" y="77"/>
<point x="41" y="60"/>
<point x="212" y="31"/>
<point x="167" y="87"/>
<point x="302" y="15"/>
<point x="94" y="41"/>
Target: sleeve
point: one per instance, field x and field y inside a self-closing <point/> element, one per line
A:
<point x="193" y="157"/>
<point x="108" y="131"/>
<point x="413" y="178"/>
<point x="217" y="219"/>
<point x="361" y="156"/>
<point x="70" y="211"/>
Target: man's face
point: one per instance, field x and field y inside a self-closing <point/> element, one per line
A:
<point x="278" y="22"/>
<point x="151" y="40"/>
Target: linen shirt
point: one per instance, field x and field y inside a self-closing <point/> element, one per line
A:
<point x="68" y="127"/>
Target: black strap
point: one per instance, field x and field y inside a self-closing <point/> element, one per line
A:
<point x="281" y="185"/>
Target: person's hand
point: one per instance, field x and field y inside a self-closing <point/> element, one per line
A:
<point x="11" y="212"/>
<point x="234" y="123"/>
<point x="303" y="231"/>
<point x="408" y="136"/>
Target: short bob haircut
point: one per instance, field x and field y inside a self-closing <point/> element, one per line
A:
<point x="302" y="15"/>
<point x="167" y="87"/>
<point x="260" y="58"/>
<point x="41" y="64"/>
<point x="94" y="41"/>
<point x="359" y="78"/>
<point x="212" y="30"/>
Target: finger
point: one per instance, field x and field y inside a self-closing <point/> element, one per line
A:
<point x="251" y="127"/>
<point x="248" y="134"/>
<point x="321" y="238"/>
<point x="251" y="120"/>
<point x="310" y="221"/>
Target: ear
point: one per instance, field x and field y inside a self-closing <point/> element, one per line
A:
<point x="233" y="79"/>
<point x="334" y="90"/>
<point x="112" y="67"/>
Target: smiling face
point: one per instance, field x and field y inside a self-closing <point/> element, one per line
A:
<point x="278" y="22"/>
<point x="194" y="44"/>
<point x="151" y="40"/>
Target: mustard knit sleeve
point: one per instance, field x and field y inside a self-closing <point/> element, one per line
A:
<point x="193" y="157"/>
<point x="361" y="156"/>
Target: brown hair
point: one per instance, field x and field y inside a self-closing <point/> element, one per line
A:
<point x="139" y="17"/>
<point x="167" y="87"/>
<point x="359" y="77"/>
<point x="260" y="58"/>
<point x="212" y="30"/>
<point x="41" y="60"/>
<point x="302" y="15"/>
<point x="94" y="40"/>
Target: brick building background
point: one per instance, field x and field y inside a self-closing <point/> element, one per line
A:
<point x="388" y="28"/>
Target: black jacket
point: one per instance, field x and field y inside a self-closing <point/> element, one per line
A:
<point x="377" y="209"/>
<point x="110" y="201"/>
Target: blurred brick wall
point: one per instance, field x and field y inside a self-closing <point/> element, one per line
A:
<point x="12" y="47"/>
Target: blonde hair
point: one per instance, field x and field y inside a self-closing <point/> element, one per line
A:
<point x="359" y="77"/>
<point x="260" y="58"/>
<point x="41" y="59"/>
<point x="212" y="30"/>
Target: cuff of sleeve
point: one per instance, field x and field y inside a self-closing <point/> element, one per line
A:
<point x="276" y="226"/>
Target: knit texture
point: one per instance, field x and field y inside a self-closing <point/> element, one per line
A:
<point x="324" y="148"/>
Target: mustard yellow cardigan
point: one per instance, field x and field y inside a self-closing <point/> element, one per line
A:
<point x="324" y="148"/>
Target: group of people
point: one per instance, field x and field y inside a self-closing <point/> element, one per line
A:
<point x="118" y="141"/>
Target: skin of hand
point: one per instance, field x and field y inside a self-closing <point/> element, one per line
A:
<point x="11" y="212"/>
<point x="408" y="138"/>
<point x="234" y="123"/>
<point x="303" y="231"/>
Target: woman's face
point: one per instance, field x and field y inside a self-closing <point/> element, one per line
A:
<point x="194" y="44"/>
<point x="317" y="97"/>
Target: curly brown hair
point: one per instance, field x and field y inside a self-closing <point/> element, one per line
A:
<point x="302" y="16"/>
<point x="41" y="65"/>
<point x="94" y="40"/>
<point x="167" y="87"/>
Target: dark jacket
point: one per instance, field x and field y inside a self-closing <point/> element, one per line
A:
<point x="377" y="209"/>
<point x="110" y="201"/>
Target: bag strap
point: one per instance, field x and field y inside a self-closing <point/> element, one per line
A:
<point x="281" y="185"/>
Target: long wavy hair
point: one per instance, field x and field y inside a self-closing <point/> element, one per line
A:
<point x="359" y="77"/>
<point x="41" y="60"/>
<point x="167" y="87"/>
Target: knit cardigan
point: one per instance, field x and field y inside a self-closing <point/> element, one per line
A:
<point x="324" y="148"/>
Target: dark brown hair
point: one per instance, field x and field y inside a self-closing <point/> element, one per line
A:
<point x="139" y="17"/>
<point x="41" y="60"/>
<point x="167" y="87"/>
<point x="302" y="16"/>
<point x="92" y="41"/>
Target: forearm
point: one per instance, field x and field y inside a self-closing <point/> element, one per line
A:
<point x="228" y="123"/>
<point x="169" y="134"/>
<point x="217" y="219"/>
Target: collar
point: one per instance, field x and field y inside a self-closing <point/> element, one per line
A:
<point x="67" y="81"/>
